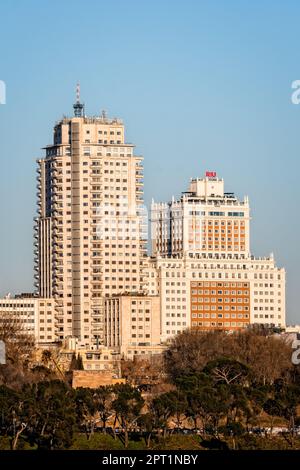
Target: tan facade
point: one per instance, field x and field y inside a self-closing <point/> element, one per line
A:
<point x="202" y="267"/>
<point x="94" y="379"/>
<point x="205" y="221"/>
<point x="132" y="324"/>
<point x="33" y="315"/>
<point x="88" y="243"/>
<point x="95" y="358"/>
<point x="173" y="279"/>
<point x="91" y="249"/>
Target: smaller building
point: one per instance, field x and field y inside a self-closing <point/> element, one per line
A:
<point x="132" y="324"/>
<point x="32" y="315"/>
<point x="102" y="359"/>
<point x="292" y="329"/>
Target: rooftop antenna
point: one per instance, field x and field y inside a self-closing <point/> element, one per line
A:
<point x="78" y="107"/>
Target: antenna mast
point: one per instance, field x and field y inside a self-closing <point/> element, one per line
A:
<point x="78" y="107"/>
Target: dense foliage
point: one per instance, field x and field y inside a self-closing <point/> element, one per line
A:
<point x="226" y="390"/>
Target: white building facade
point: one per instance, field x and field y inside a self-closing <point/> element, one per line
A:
<point x="31" y="315"/>
<point x="202" y="267"/>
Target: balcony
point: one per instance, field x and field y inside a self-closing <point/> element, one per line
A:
<point x="55" y="198"/>
<point x="58" y="316"/>
<point x="57" y="292"/>
<point x="58" y="247"/>
<point x="57" y="213"/>
<point x="97" y="330"/>
<point x="95" y="283"/>
<point x="57" y="263"/>
<point x="97" y="315"/>
<point x="57" y="236"/>
<point x="59" y="306"/>
<point x="57" y="184"/>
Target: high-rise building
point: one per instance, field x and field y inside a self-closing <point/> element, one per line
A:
<point x="202" y="268"/>
<point x="206" y="221"/>
<point x="89" y="229"/>
<point x="91" y="257"/>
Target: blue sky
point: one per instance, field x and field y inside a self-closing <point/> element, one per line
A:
<point x="201" y="85"/>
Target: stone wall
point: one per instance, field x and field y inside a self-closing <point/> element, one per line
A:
<point x="94" y="378"/>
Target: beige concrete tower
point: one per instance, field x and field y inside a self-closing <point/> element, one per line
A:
<point x="205" y="221"/>
<point x="89" y="230"/>
<point x="202" y="267"/>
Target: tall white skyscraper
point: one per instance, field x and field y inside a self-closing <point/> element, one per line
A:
<point x="89" y="240"/>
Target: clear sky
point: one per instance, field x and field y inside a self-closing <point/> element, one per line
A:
<point x="201" y="85"/>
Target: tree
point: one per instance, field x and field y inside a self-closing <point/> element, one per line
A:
<point x="266" y="355"/>
<point x="227" y="371"/>
<point x="190" y="351"/>
<point x="191" y="385"/>
<point x="86" y="409"/>
<point x="238" y="409"/>
<point x="50" y="410"/>
<point x="216" y="393"/>
<point x="209" y="404"/>
<point x="79" y="362"/>
<point x="162" y="408"/>
<point x="179" y="407"/>
<point x="257" y="397"/>
<point x="76" y="362"/>
<point x="148" y="424"/>
<point x="103" y="398"/>
<point x="127" y="406"/>
<point x="12" y="424"/>
<point x="148" y="373"/>
<point x="19" y="351"/>
<point x="288" y="395"/>
<point x="233" y="430"/>
<point x="50" y="359"/>
<point x="273" y="408"/>
<point x="46" y="357"/>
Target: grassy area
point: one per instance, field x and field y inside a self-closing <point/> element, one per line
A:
<point x="100" y="441"/>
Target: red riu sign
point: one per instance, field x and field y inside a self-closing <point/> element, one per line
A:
<point x="211" y="174"/>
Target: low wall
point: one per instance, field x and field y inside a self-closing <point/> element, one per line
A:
<point x="93" y="378"/>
